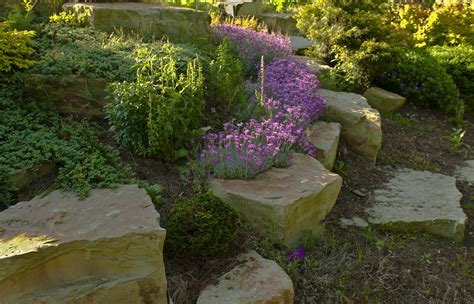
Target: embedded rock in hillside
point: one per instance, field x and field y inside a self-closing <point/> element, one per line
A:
<point x="384" y="101"/>
<point x="148" y="20"/>
<point x="280" y="23"/>
<point x="78" y="96"/>
<point x="300" y="43"/>
<point x="419" y="201"/>
<point x="254" y="281"/>
<point x="21" y="178"/>
<point x="283" y="203"/>
<point x="465" y="172"/>
<point x="325" y="137"/>
<point x="104" y="249"/>
<point x="361" y="125"/>
<point x="249" y="9"/>
<point x="311" y="63"/>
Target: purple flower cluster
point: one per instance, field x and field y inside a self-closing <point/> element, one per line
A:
<point x="297" y="255"/>
<point x="243" y="150"/>
<point x="252" y="45"/>
<point x="294" y="86"/>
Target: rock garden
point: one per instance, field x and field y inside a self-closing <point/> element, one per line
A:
<point x="243" y="153"/>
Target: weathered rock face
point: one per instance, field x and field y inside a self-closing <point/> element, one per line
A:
<point x="384" y="101"/>
<point x="79" y="96"/>
<point x="148" y="20"/>
<point x="419" y="201"/>
<point x="325" y="137"/>
<point x="312" y="64"/>
<point x="299" y="43"/>
<point x="249" y="9"/>
<point x="254" y="281"/>
<point x="284" y="203"/>
<point x="361" y="125"/>
<point x="104" y="249"/>
<point x="465" y="172"/>
<point x="280" y="23"/>
<point x="24" y="177"/>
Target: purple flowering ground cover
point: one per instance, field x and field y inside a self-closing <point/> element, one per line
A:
<point x="252" y="45"/>
<point x="243" y="150"/>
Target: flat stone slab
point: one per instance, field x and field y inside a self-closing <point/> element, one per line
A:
<point x="325" y="138"/>
<point x="355" y="221"/>
<point x="300" y="43"/>
<point x="419" y="201"/>
<point x="284" y="203"/>
<point x="280" y="23"/>
<point x="383" y="100"/>
<point x="312" y="64"/>
<point x="465" y="172"/>
<point x="104" y="249"/>
<point x="254" y="281"/>
<point x="148" y="20"/>
<point x="361" y="125"/>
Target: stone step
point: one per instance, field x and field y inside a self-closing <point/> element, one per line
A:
<point x="361" y="125"/>
<point x="147" y="20"/>
<point x="254" y="281"/>
<point x="325" y="137"/>
<point x="419" y="201"/>
<point x="312" y="64"/>
<point x="383" y="100"/>
<point x="299" y="43"/>
<point x="107" y="248"/>
<point x="465" y="172"/>
<point x="283" y="203"/>
<point x="281" y="23"/>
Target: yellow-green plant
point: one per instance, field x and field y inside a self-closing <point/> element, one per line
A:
<point x="15" y="50"/>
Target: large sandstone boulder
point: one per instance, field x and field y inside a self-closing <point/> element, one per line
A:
<point x="104" y="249"/>
<point x="361" y="125"/>
<point x="325" y="138"/>
<point x="21" y="178"/>
<point x="384" y="101"/>
<point x="284" y="203"/>
<point x="419" y="201"/>
<point x="77" y="96"/>
<point x="148" y="20"/>
<point x="254" y="281"/>
<point x="280" y="23"/>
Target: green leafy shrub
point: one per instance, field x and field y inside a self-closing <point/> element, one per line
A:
<point x="201" y="225"/>
<point x="225" y="83"/>
<point x="459" y="63"/>
<point x="69" y="18"/>
<point x="336" y="25"/>
<point x="407" y="19"/>
<point x="157" y="113"/>
<point x="448" y="25"/>
<point x="422" y="80"/>
<point x="361" y="67"/>
<point x="15" y="51"/>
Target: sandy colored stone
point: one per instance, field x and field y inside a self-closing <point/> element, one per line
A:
<point x="311" y="63"/>
<point x="283" y="203"/>
<point x="419" y="201"/>
<point x="325" y="138"/>
<point x="78" y="96"/>
<point x="384" y="101"/>
<point x="254" y="281"/>
<point x="281" y="23"/>
<point x="465" y="172"/>
<point x="300" y="43"/>
<point x="178" y="24"/>
<point x="361" y="125"/>
<point x="21" y="178"/>
<point x="104" y="249"/>
<point x="249" y="9"/>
